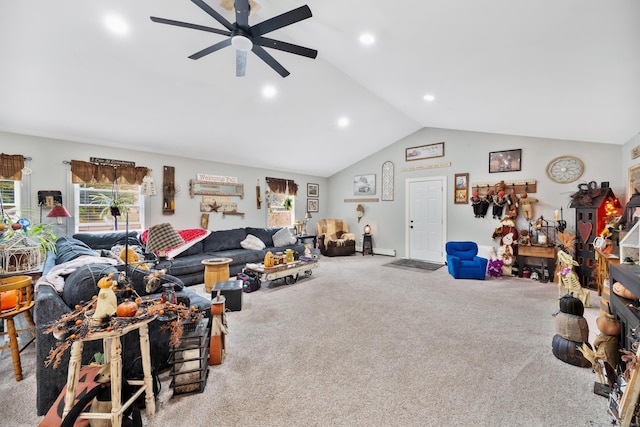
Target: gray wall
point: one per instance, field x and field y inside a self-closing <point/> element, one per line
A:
<point x="468" y="152"/>
<point x="50" y="173"/>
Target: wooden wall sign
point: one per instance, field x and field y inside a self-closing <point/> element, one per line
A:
<point x="168" y="190"/>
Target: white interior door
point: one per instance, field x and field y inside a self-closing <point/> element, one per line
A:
<point x="426" y="219"/>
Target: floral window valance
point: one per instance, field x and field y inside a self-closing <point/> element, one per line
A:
<point x="278" y="185"/>
<point x="87" y="172"/>
<point x="11" y="166"/>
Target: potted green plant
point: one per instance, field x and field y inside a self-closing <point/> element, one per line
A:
<point x="288" y="203"/>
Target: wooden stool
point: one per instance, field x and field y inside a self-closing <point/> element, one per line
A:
<point x="113" y="355"/>
<point x="215" y="270"/>
<point x="16" y="297"/>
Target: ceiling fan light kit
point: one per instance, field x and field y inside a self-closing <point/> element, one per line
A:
<point x="244" y="37"/>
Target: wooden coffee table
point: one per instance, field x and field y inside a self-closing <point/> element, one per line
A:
<point x="289" y="272"/>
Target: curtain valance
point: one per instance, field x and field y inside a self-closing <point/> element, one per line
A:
<point x="87" y="172"/>
<point x="278" y="185"/>
<point x="11" y="166"/>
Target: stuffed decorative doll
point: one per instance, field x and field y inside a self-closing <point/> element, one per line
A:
<point x="107" y="301"/>
<point x="505" y="253"/>
<point x="499" y="200"/>
<point x="512" y="204"/>
<point x="526" y="205"/>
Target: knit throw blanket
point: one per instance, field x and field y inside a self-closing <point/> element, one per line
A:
<point x="334" y="230"/>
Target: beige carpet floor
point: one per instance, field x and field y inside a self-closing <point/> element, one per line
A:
<point x="361" y="344"/>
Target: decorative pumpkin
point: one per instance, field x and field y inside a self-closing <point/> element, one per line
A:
<point x="269" y="260"/>
<point x="572" y="327"/>
<point x="608" y="324"/>
<point x="568" y="352"/>
<point x="8" y="300"/>
<point x="127" y="308"/>
<point x="621" y="291"/>
<point x="571" y="305"/>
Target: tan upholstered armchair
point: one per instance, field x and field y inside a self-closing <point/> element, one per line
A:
<point x="334" y="238"/>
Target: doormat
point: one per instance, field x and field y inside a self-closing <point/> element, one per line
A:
<point x="414" y="263"/>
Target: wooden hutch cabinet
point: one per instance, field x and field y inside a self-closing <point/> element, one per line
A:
<point x="594" y="208"/>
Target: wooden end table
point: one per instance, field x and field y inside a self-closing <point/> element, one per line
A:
<point x="215" y="270"/>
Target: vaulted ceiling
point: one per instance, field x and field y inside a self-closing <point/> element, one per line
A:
<point x="567" y="69"/>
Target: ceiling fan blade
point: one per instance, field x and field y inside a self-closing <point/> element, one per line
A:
<point x="215" y="15"/>
<point x="188" y="25"/>
<point x="241" y="63"/>
<point x="242" y="13"/>
<point x="211" y="49"/>
<point x="285" y="47"/>
<point x="287" y="18"/>
<point x="270" y="60"/>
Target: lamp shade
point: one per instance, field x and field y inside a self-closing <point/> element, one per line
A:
<point x="308" y="215"/>
<point x="58" y="211"/>
<point x="162" y="237"/>
<point x="367" y="229"/>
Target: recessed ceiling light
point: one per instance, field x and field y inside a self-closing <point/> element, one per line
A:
<point x="343" y="122"/>
<point x="429" y="98"/>
<point x="367" y="39"/>
<point x="269" y="91"/>
<point x="116" y="24"/>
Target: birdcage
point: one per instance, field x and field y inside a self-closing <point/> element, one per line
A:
<point x="19" y="254"/>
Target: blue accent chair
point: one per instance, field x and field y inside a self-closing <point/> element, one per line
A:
<point x="463" y="261"/>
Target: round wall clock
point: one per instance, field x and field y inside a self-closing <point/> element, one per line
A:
<point x="565" y="169"/>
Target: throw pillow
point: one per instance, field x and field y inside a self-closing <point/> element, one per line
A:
<point x="82" y="284"/>
<point x="283" y="237"/>
<point x="252" y="242"/>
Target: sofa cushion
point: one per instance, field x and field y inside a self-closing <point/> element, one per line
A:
<point x="264" y="234"/>
<point x="252" y="242"/>
<point x="224" y="240"/>
<point x="108" y="240"/>
<point x="138" y="283"/>
<point x="283" y="237"/>
<point x="82" y="284"/>
<point x="68" y="249"/>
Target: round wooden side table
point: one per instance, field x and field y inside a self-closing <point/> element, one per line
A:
<point x="215" y="270"/>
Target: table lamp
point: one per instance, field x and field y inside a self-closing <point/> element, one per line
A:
<point x="367" y="229"/>
<point x="59" y="212"/>
<point x="307" y="217"/>
<point x="161" y="238"/>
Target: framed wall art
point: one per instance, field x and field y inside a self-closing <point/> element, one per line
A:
<point x="313" y="190"/>
<point x="505" y="161"/>
<point x="422" y="152"/>
<point x="364" y="185"/>
<point x="461" y="190"/>
<point x="633" y="183"/>
<point x="312" y="205"/>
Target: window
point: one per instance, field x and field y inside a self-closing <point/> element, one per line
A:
<point x="281" y="210"/>
<point x="10" y="195"/>
<point x="93" y="213"/>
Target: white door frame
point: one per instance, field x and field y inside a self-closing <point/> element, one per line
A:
<point x="407" y="210"/>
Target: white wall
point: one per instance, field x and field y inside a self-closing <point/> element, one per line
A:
<point x="468" y="152"/>
<point x="50" y="173"/>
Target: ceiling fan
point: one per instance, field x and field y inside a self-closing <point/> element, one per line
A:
<point x="245" y="37"/>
